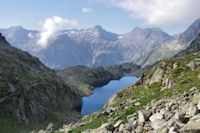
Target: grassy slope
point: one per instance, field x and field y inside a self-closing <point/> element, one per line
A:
<point x="182" y="75"/>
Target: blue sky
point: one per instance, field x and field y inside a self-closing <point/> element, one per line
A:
<point x="119" y="16"/>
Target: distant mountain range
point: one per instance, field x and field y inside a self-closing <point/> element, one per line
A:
<point x="98" y="47"/>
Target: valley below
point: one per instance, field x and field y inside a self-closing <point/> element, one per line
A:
<point x="95" y="81"/>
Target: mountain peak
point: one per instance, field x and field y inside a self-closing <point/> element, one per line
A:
<point x="98" y="27"/>
<point x="137" y="29"/>
<point x="16" y="27"/>
<point x="191" y="33"/>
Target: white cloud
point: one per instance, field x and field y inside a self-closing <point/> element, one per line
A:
<point x="86" y="10"/>
<point x="161" y="12"/>
<point x="51" y="28"/>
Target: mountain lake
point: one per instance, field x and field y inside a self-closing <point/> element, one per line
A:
<point x="101" y="95"/>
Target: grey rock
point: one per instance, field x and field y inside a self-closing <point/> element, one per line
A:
<point x="137" y="104"/>
<point x="179" y="116"/>
<point x="192" y="65"/>
<point x="139" y="129"/>
<point x="191" y="127"/>
<point x="196" y="99"/>
<point x="192" y="110"/>
<point x="198" y="106"/>
<point x="117" y="124"/>
<point x="175" y="123"/>
<point x="157" y="76"/>
<point x="158" y="124"/>
<point x="108" y="126"/>
<point x="175" y="65"/>
<point x="156" y="116"/>
<point x="163" y="129"/>
<point x="121" y="127"/>
<point x="141" y="117"/>
<point x="172" y="130"/>
<point x="50" y="127"/>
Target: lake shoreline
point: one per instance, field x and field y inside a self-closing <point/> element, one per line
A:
<point x="101" y="94"/>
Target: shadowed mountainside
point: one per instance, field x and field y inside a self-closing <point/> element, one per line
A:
<point x="30" y="92"/>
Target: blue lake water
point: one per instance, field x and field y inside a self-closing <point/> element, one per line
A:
<point x="101" y="95"/>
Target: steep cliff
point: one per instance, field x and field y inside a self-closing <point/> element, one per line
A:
<point x="29" y="91"/>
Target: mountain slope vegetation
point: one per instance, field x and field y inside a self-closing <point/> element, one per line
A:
<point x="31" y="93"/>
<point x="173" y="83"/>
<point x="84" y="79"/>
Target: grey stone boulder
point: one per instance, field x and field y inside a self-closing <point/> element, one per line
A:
<point x="158" y="124"/>
<point x="157" y="76"/>
<point x="179" y="116"/>
<point x="198" y="106"/>
<point x="175" y="123"/>
<point x="100" y="130"/>
<point x="122" y="127"/>
<point x="117" y="124"/>
<point x="156" y="116"/>
<point x="108" y="126"/>
<point x="137" y="104"/>
<point x="143" y="115"/>
<point x="192" y="110"/>
<point x="196" y="99"/>
<point x="50" y="127"/>
<point x="191" y="127"/>
<point x="192" y="65"/>
<point x="163" y="129"/>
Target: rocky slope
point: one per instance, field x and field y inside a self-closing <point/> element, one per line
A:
<point x="170" y="49"/>
<point x="164" y="99"/>
<point x="84" y="79"/>
<point x="193" y="47"/>
<point x="30" y="92"/>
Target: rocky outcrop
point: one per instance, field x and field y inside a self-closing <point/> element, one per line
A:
<point x="193" y="47"/>
<point x="170" y="103"/>
<point x="29" y="91"/>
<point x="178" y="114"/>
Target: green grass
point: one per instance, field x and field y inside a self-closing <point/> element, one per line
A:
<point x="188" y="80"/>
<point x="58" y="117"/>
<point x="11" y="125"/>
<point x="85" y="89"/>
<point x="97" y="122"/>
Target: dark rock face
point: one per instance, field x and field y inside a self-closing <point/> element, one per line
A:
<point x="93" y="77"/>
<point x="192" y="48"/>
<point x="29" y="91"/>
<point x="125" y="69"/>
